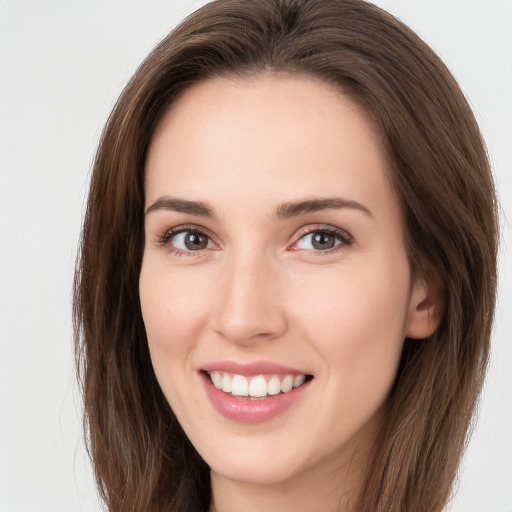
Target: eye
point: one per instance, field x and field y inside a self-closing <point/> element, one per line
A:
<point x="323" y="239"/>
<point x="187" y="240"/>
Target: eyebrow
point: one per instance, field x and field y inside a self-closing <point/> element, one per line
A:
<point x="294" y="209"/>
<point x="283" y="211"/>
<point x="182" y="206"/>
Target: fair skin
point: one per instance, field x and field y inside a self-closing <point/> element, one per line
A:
<point x="323" y="287"/>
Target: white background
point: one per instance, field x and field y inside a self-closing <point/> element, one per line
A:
<point x="62" y="65"/>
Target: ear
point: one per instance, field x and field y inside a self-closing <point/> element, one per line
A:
<point x="425" y="308"/>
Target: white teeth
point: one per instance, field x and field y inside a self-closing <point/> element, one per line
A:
<point x="298" y="380"/>
<point x="226" y="383"/>
<point x="287" y="384"/>
<point x="216" y="379"/>
<point x="256" y="387"/>
<point x="239" y="386"/>
<point x="274" y="385"/>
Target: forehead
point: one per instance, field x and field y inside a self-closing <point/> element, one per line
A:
<point x="259" y="138"/>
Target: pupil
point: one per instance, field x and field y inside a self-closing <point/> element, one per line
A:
<point x="323" y="241"/>
<point x="195" y="241"/>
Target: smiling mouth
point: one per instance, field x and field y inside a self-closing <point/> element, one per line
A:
<point x="257" y="387"/>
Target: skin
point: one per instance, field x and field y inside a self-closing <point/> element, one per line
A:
<point x="260" y="290"/>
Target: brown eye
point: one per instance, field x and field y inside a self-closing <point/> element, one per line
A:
<point x="195" y="241"/>
<point x="323" y="240"/>
<point x="190" y="241"/>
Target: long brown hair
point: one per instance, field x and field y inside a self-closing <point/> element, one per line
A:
<point x="439" y="168"/>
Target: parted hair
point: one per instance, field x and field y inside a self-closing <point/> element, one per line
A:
<point x="440" y="171"/>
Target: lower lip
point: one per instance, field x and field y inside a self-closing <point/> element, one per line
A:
<point x="245" y="410"/>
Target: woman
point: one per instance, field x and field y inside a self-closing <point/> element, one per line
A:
<point x="285" y="291"/>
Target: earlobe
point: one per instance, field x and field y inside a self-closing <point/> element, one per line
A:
<point x="425" y="309"/>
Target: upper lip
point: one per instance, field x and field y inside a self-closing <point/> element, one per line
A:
<point x="251" y="369"/>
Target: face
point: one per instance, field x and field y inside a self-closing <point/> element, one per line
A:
<point x="275" y="287"/>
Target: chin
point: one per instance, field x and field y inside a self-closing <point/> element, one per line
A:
<point x="263" y="472"/>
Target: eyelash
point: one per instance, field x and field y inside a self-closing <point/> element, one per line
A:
<point x="169" y="234"/>
<point x="342" y="235"/>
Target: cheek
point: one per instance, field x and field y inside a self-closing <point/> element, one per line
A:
<point x="173" y="315"/>
<point x="356" y="320"/>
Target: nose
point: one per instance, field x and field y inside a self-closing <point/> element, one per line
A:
<point x="248" y="301"/>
